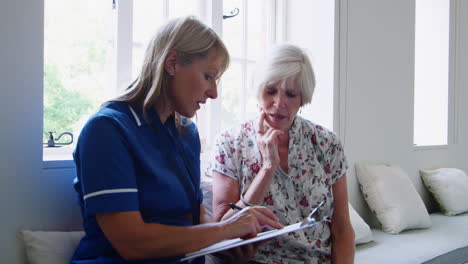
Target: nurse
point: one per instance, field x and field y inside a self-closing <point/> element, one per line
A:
<point x="138" y="158"/>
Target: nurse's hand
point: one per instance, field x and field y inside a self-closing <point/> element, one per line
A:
<point x="248" y="222"/>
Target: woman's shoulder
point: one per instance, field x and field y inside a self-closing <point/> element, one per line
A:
<point x="113" y="110"/>
<point x="110" y="114"/>
<point x="238" y="131"/>
<point x="320" y="135"/>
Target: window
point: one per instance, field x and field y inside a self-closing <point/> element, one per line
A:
<point x="247" y="36"/>
<point x="431" y="73"/>
<point x="93" y="50"/>
<point x="319" y="43"/>
<point x="78" y="52"/>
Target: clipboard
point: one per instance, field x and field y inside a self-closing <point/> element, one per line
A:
<point x="308" y="222"/>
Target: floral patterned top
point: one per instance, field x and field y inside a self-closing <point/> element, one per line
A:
<point x="316" y="160"/>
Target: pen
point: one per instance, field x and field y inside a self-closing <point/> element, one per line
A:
<point x="235" y="206"/>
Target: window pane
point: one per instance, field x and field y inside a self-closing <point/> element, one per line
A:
<point x="233" y="28"/>
<point x="251" y="105"/>
<point x="431" y="72"/>
<point x="231" y="95"/>
<point x="178" y="8"/>
<point x="148" y="16"/>
<point x="78" y="42"/>
<point x="319" y="44"/>
<point x="258" y="29"/>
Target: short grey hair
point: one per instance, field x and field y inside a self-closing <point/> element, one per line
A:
<point x="285" y="62"/>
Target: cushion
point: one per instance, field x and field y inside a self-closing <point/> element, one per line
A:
<point x="362" y="231"/>
<point x="391" y="196"/>
<point x="449" y="186"/>
<point x="44" y="247"/>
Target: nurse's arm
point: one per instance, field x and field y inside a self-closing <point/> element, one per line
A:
<point x="135" y="240"/>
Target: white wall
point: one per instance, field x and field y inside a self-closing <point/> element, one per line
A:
<point x="377" y="123"/>
<point x="376" y="87"/>
<point x="29" y="197"/>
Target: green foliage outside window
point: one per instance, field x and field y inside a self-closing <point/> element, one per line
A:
<point x="62" y="107"/>
<point x="77" y="44"/>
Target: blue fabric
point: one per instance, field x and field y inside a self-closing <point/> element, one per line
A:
<point x="125" y="167"/>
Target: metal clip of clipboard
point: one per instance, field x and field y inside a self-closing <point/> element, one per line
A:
<point x="311" y="219"/>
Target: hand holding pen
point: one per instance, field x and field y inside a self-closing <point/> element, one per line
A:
<point x="262" y="217"/>
<point x="238" y="208"/>
<point x="235" y="207"/>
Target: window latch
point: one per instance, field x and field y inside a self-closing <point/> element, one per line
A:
<point x="233" y="13"/>
<point x="52" y="141"/>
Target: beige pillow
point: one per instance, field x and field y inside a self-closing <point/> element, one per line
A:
<point x="50" y="247"/>
<point x="392" y="197"/>
<point x="362" y="231"/>
<point x="449" y="186"/>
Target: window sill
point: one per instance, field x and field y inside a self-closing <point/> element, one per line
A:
<point x="432" y="147"/>
<point x="58" y="158"/>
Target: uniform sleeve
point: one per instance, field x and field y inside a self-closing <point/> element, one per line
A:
<point x="225" y="155"/>
<point x="105" y="168"/>
<point x="336" y="162"/>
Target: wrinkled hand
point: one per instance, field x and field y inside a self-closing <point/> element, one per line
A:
<point x="267" y="142"/>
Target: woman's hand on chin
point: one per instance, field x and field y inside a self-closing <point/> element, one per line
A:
<point x="267" y="142"/>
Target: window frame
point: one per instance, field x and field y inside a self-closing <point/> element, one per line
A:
<point x="452" y="106"/>
<point x="453" y="81"/>
<point x="121" y="73"/>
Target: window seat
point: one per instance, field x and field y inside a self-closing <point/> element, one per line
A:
<point x="445" y="242"/>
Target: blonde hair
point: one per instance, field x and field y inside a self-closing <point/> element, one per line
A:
<point x="286" y="62"/>
<point x="191" y="39"/>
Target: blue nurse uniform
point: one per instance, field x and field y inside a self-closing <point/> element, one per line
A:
<point x="125" y="162"/>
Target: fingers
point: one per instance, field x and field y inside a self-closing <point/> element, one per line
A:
<point x="272" y="135"/>
<point x="266" y="212"/>
<point x="248" y="251"/>
<point x="240" y="254"/>
<point x="236" y="253"/>
<point x="260" y="124"/>
<point x="261" y="243"/>
<point x="266" y="217"/>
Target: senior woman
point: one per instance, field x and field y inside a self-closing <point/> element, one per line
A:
<point x="288" y="164"/>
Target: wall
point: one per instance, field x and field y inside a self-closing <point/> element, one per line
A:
<point x="375" y="89"/>
<point x="29" y="196"/>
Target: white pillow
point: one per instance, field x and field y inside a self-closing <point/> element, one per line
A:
<point x="392" y="197"/>
<point x="449" y="186"/>
<point x="362" y="231"/>
<point x="44" y="247"/>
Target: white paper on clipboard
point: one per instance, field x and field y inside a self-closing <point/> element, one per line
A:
<point x="232" y="243"/>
